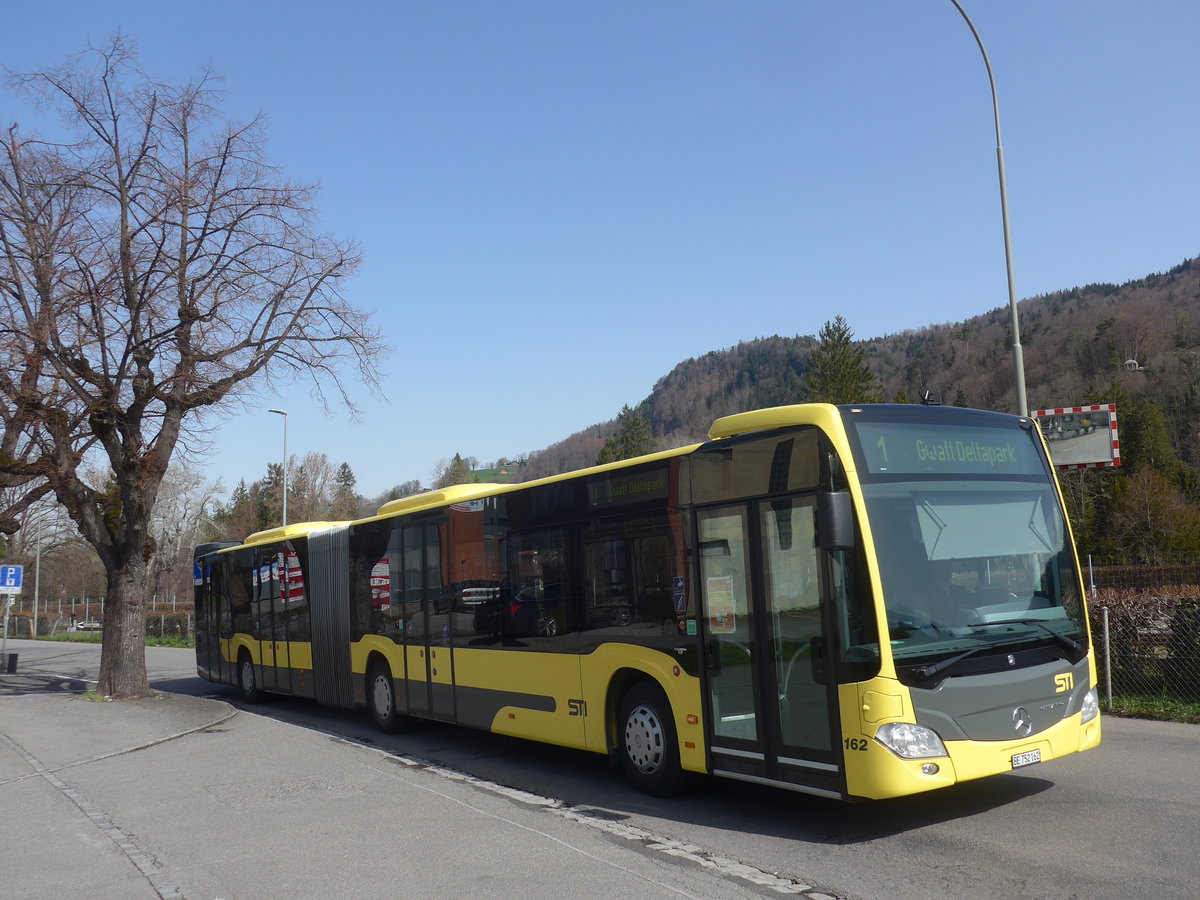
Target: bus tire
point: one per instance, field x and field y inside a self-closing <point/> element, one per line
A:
<point x="649" y="749"/>
<point x="381" y="700"/>
<point x="247" y="680"/>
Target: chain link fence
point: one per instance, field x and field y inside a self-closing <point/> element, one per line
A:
<point x="179" y="626"/>
<point x="1146" y="628"/>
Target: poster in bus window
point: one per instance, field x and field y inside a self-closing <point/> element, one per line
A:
<point x="381" y="585"/>
<point x="721" y="618"/>
<point x="292" y="582"/>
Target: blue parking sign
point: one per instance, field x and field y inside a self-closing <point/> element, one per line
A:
<point x="10" y="577"/>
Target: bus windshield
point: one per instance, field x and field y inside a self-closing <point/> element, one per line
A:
<point x="971" y="543"/>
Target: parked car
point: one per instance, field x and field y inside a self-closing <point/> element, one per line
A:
<point x="533" y="611"/>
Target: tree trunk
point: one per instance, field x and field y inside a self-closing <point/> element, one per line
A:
<point x="123" y="654"/>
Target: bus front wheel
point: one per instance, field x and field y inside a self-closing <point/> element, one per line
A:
<point x="649" y="748"/>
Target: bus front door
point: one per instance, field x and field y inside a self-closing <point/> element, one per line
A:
<point x="771" y="708"/>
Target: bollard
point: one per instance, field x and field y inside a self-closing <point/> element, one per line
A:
<point x="10" y="664"/>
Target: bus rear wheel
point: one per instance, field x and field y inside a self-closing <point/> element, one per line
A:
<point x="247" y="680"/>
<point x="649" y="748"/>
<point x="381" y="700"/>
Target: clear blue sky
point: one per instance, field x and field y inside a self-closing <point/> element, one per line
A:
<point x="559" y="201"/>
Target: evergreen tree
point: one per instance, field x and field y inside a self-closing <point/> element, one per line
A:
<point x="960" y="398"/>
<point x="631" y="439"/>
<point x="1145" y="444"/>
<point x="345" y="501"/>
<point x="456" y="471"/>
<point x="240" y="496"/>
<point x="270" y="493"/>
<point x="837" y="370"/>
<point x="1151" y="521"/>
<point x="239" y="517"/>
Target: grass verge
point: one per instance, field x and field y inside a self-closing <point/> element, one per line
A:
<point x="94" y="637"/>
<point x="1164" y="709"/>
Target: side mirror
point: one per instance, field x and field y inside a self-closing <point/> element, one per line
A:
<point x="835" y="520"/>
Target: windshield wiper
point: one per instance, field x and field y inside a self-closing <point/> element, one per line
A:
<point x="926" y="672"/>
<point x="1067" y="642"/>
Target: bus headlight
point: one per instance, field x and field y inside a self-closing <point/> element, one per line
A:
<point x="1091" y="707"/>
<point x="910" y="741"/>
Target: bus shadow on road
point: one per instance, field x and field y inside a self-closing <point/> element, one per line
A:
<point x="587" y="783"/>
<point x="192" y="685"/>
<point x="817" y="820"/>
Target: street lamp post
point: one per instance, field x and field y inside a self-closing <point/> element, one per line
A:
<point x="1018" y="356"/>
<point x="282" y="412"/>
<point x="37" y="582"/>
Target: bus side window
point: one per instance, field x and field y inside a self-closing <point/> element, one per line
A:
<point x="296" y="591"/>
<point x="652" y="578"/>
<point x="544" y="600"/>
<point x="606" y="588"/>
<point x="629" y="574"/>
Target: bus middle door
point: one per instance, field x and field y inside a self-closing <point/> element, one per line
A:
<point x="286" y="570"/>
<point x="427" y="605"/>
<point x="270" y="622"/>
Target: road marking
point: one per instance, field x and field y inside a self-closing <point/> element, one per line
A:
<point x="722" y="865"/>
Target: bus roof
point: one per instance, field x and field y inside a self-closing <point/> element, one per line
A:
<point x="455" y="493"/>
<point x="287" y="532"/>
<point x="766" y="419"/>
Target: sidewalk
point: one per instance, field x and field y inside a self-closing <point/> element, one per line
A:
<point x="180" y="796"/>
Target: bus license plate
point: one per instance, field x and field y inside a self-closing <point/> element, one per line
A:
<point x="1028" y="758"/>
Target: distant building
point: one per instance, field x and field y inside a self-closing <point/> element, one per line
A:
<point x="498" y="475"/>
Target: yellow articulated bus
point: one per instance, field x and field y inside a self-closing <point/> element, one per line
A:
<point x="851" y="601"/>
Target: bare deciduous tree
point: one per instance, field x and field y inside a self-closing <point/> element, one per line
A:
<point x="182" y="518"/>
<point x="310" y="486"/>
<point x="152" y="269"/>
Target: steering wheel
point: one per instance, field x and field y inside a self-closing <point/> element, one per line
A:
<point x="905" y="617"/>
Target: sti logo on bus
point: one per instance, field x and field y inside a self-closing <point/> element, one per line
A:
<point x="1063" y="682"/>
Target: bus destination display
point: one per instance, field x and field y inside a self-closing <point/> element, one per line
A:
<point x="901" y="449"/>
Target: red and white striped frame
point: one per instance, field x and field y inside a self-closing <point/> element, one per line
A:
<point x="1111" y="409"/>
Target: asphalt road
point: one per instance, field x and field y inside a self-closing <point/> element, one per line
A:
<point x="1095" y="446"/>
<point x="1121" y="821"/>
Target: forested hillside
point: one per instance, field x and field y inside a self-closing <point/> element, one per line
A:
<point x="1137" y="344"/>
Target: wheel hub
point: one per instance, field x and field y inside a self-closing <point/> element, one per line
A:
<point x="644" y="739"/>
<point x="383" y="698"/>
